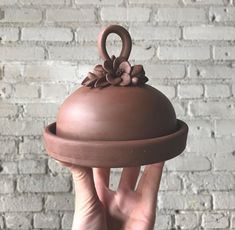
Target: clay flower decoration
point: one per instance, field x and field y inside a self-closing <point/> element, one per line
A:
<point x="115" y="71"/>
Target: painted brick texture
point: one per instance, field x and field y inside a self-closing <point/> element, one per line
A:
<point x="188" y="50"/>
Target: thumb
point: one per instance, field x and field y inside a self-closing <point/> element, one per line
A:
<point x="86" y="198"/>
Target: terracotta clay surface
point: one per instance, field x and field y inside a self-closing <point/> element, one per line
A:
<point x="115" y="125"/>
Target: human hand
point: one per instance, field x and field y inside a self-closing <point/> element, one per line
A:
<point x="130" y="207"/>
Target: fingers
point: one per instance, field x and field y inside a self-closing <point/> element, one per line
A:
<point x="85" y="192"/>
<point x="129" y="178"/>
<point x="101" y="179"/>
<point x="101" y="176"/>
<point x="150" y="181"/>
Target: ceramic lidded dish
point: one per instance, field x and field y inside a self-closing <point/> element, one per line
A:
<point x="115" y="119"/>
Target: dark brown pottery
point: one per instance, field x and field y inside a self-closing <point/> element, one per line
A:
<point x="115" y="119"/>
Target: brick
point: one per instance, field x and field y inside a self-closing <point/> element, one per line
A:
<point x="209" y="33"/>
<point x="67" y="220"/>
<point x="155" y="33"/>
<point x="200" y="128"/>
<point x="55" y="168"/>
<point x="184" y="201"/>
<point x="21" y="53"/>
<point x="5" y="90"/>
<point x="18" y="221"/>
<point x="7" y="2"/>
<point x="26" y="91"/>
<point x="217" y="91"/>
<point x="160" y="2"/>
<point x="13" y="72"/>
<point x="46" y="34"/>
<point x="21" y="15"/>
<point x="186" y="220"/>
<point x="211" y="72"/>
<point x="190" y="91"/>
<point x="224" y="162"/>
<point x="222" y="14"/>
<point x="43" y="183"/>
<point x="209" y="146"/>
<point x="184" y="53"/>
<point x="225" y="127"/>
<point x="205" y="2"/>
<point x="215" y="220"/>
<point x="181" y="15"/>
<point x="73" y="53"/>
<point x="6" y="185"/>
<point x="9" y="34"/>
<point x="71" y="15"/>
<point x="215" y="109"/>
<point x="140" y="53"/>
<point x="8" y="110"/>
<point x="189" y="163"/>
<point x="54" y="91"/>
<point x="32" y="166"/>
<point x="224" y="200"/>
<point x="87" y="34"/>
<point x="50" y="72"/>
<point x="30" y="146"/>
<point x="170" y="182"/>
<point x="210" y="182"/>
<point x="164" y="71"/>
<point x="163" y="222"/>
<point x="98" y="2"/>
<point x="63" y="202"/>
<point x="8" y="147"/>
<point x="42" y="2"/>
<point x="21" y="203"/>
<point x="168" y="90"/>
<point x="224" y="53"/>
<point x="18" y="128"/>
<point x="8" y="168"/>
<point x="41" y="110"/>
<point x="48" y="220"/>
<point x="135" y="14"/>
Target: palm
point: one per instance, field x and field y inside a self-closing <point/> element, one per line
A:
<point x="129" y="211"/>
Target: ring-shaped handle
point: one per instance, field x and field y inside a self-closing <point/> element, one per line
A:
<point x="124" y="35"/>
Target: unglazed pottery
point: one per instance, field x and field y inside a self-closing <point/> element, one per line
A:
<point x="115" y="119"/>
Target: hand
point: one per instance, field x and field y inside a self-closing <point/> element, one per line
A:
<point x="130" y="207"/>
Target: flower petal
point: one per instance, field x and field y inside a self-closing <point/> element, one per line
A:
<point x="125" y="67"/>
<point x="112" y="80"/>
<point x="100" y="83"/>
<point x="99" y="73"/>
<point x="126" y="79"/>
<point x="85" y="80"/>
<point x="137" y="70"/>
<point x="90" y="83"/>
<point x="91" y="76"/>
<point x="108" y="66"/>
<point x="143" y="80"/>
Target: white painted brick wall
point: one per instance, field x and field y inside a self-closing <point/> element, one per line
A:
<point x="187" y="49"/>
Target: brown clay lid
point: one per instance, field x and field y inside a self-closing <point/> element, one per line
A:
<point x="115" y="119"/>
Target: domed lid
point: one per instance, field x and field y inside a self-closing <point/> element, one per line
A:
<point x="116" y="110"/>
<point x="115" y="103"/>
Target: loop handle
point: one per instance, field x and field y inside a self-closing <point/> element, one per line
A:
<point x="124" y="35"/>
